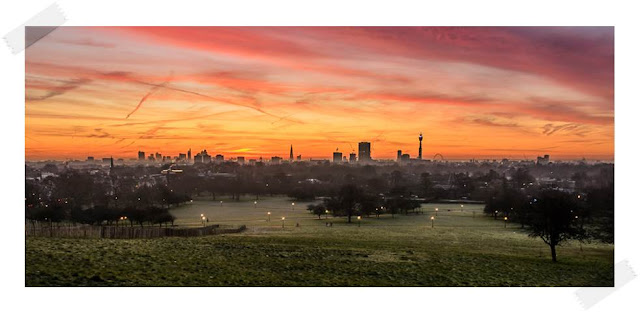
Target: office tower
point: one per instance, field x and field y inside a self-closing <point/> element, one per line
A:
<point x="420" y="149"/>
<point x="364" y="151"/>
<point x="158" y="156"/>
<point x="543" y="160"/>
<point x="90" y="158"/>
<point x="240" y="160"/>
<point x="291" y="153"/>
<point x="399" y="155"/>
<point x="337" y="157"/>
<point x="206" y="158"/>
<point x="276" y="159"/>
<point x="141" y="155"/>
<point x="182" y="157"/>
<point x="299" y="158"/>
<point x="219" y="158"/>
<point x="189" y="155"/>
<point x="405" y="157"/>
<point x="352" y="157"/>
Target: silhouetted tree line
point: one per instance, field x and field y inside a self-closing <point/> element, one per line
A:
<point x="81" y="198"/>
<point x="557" y="216"/>
<point x="351" y="200"/>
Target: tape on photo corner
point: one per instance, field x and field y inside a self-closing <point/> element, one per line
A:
<point x="39" y="25"/>
<point x="589" y="296"/>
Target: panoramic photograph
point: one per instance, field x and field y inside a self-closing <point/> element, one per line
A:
<point x="319" y="156"/>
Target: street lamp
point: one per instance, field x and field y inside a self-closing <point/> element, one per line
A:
<point x="220" y="203"/>
<point x="254" y="204"/>
<point x="282" y="222"/>
<point x="359" y="218"/>
<point x="461" y="206"/>
<point x="495" y="215"/>
<point x="293" y="205"/>
<point x="432" y="218"/>
<point x="269" y="216"/>
<point x="203" y="218"/>
<point x="326" y="214"/>
<point x="505" y="222"/>
<point x="436" y="213"/>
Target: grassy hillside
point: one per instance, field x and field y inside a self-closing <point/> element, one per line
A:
<point x="461" y="250"/>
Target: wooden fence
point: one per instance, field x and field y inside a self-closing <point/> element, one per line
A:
<point x="122" y="232"/>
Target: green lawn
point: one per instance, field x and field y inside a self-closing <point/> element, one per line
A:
<point x="461" y="250"/>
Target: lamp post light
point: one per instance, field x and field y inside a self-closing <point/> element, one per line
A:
<point x="268" y="216"/>
<point x="359" y="218"/>
<point x="220" y="203"/>
<point x="461" y="206"/>
<point x="203" y="218"/>
<point x="283" y="223"/>
<point x="255" y="203"/>
<point x="293" y="205"/>
<point x="326" y="214"/>
<point x="505" y="222"/>
<point x="436" y="213"/>
<point x="432" y="218"/>
<point x="495" y="215"/>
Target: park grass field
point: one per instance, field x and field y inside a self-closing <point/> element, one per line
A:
<point x="462" y="249"/>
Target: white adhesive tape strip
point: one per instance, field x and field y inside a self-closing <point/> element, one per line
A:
<point x="589" y="296"/>
<point x="39" y="25"/>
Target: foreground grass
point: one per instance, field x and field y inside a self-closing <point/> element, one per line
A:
<point x="461" y="250"/>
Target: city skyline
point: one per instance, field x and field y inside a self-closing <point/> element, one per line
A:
<point x="474" y="92"/>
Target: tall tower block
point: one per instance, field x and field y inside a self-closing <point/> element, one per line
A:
<point x="420" y="149"/>
<point x="291" y="153"/>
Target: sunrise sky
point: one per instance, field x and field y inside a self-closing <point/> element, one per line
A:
<point x="253" y="91"/>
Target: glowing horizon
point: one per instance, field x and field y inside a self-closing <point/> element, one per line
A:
<point x="474" y="92"/>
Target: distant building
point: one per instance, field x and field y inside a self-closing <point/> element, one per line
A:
<point x="158" y="156"/>
<point x="151" y="158"/>
<point x="189" y="155"/>
<point x="364" y="151"/>
<point x="399" y="155"/>
<point x="182" y="157"/>
<point x="352" y="157"/>
<point x="299" y="158"/>
<point x="219" y="158"/>
<point x="240" y="160"/>
<point x="206" y="158"/>
<point x="202" y="157"/>
<point x="141" y="156"/>
<point x="543" y="160"/>
<point x="420" y="148"/>
<point x="106" y="160"/>
<point x="337" y="157"/>
<point x="291" y="153"/>
<point x="405" y="158"/>
<point x="276" y="160"/>
<point x="90" y="158"/>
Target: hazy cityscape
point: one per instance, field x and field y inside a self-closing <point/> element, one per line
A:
<point x="320" y="156"/>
